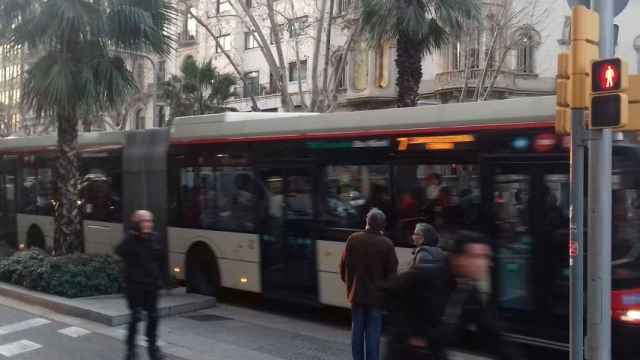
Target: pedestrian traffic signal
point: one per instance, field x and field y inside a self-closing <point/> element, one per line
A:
<point x="608" y="75"/>
<point x="609" y="103"/>
<point x="609" y="111"/>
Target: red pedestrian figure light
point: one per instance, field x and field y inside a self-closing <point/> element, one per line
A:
<point x="609" y="75"/>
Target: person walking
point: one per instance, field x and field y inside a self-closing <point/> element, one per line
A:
<point x="433" y="308"/>
<point x="144" y="259"/>
<point x="369" y="259"/>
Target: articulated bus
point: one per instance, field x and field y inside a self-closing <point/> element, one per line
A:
<point x="264" y="202"/>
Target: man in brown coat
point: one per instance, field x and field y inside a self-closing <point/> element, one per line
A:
<point x="368" y="260"/>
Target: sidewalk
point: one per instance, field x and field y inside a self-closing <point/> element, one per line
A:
<point x="111" y="310"/>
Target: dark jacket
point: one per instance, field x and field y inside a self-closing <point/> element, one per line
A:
<point x="144" y="259"/>
<point x="425" y="257"/>
<point x="368" y="260"/>
<point x="436" y="307"/>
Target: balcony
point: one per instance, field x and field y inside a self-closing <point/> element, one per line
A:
<point x="506" y="78"/>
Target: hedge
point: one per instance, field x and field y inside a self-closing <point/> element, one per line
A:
<point x="77" y="275"/>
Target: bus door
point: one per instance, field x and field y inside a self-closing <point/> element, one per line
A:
<point x="528" y="211"/>
<point x="8" y="202"/>
<point x="288" y="249"/>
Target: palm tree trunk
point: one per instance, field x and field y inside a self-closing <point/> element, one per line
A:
<point x="409" y="64"/>
<point x="68" y="232"/>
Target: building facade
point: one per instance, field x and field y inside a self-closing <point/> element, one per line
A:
<point x="512" y="51"/>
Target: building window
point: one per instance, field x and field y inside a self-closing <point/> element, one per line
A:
<point x="454" y="56"/>
<point x="189" y="27"/>
<point x="139" y="119"/>
<point x="296" y="73"/>
<point x="139" y="75"/>
<point x="525" y="59"/>
<point x="298" y="26"/>
<point x="473" y="58"/>
<point x="250" y="41"/>
<point x="223" y="6"/>
<point x="162" y="71"/>
<point x="272" y="35"/>
<point x="252" y="84"/>
<point x="343" y="6"/>
<point x="224" y="43"/>
<point x="162" y="116"/>
<point x="527" y="40"/>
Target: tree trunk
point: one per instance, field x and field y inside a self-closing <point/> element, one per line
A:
<point x="495" y="76"/>
<point x="327" y="55"/>
<point x="339" y="70"/>
<point x="483" y="77"/>
<point x="409" y="64"/>
<point x="285" y="97"/>
<point x="68" y="217"/>
<point x="315" y="87"/>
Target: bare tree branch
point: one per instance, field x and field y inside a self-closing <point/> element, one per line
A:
<point x="234" y="65"/>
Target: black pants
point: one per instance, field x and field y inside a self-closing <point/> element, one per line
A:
<point x="143" y="298"/>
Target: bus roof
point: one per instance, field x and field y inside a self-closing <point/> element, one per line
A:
<point x="531" y="111"/>
<point x="520" y="112"/>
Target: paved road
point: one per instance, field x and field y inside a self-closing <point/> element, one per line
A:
<point x="231" y="331"/>
<point x="27" y="336"/>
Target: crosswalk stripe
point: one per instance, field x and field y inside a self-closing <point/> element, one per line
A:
<point x="18" y="347"/>
<point x="23" y="325"/>
<point x="74" y="332"/>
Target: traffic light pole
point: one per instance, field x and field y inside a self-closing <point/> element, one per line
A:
<point x="599" y="220"/>
<point x="577" y="234"/>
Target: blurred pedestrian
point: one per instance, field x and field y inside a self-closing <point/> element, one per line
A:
<point x="427" y="253"/>
<point x="433" y="308"/>
<point x="369" y="259"/>
<point x="144" y="259"/>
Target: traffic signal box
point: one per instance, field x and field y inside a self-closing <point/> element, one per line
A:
<point x="609" y="102"/>
<point x="600" y="86"/>
<point x="574" y="68"/>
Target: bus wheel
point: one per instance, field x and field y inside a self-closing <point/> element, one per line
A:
<point x="35" y="237"/>
<point x="202" y="270"/>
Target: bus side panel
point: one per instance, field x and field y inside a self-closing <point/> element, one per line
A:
<point x="332" y="290"/>
<point x="101" y="237"/>
<point x="44" y="223"/>
<point x="238" y="255"/>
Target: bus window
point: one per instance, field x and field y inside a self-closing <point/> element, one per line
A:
<point x="626" y="231"/>
<point x="37" y="188"/>
<point x="554" y="228"/>
<point x="236" y="199"/>
<point x="350" y="192"/>
<point x="511" y="199"/>
<point x="101" y="187"/>
<point x="446" y="196"/>
<point x="219" y="198"/>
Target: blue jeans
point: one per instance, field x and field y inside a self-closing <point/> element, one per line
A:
<point x="366" y="327"/>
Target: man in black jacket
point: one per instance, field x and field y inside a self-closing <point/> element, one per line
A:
<point x="143" y="255"/>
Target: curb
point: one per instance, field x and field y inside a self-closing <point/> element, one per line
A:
<point x="75" y="307"/>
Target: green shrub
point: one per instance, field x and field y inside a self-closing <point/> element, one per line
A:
<point x="76" y="275"/>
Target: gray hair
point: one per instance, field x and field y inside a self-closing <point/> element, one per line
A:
<point x="429" y="234"/>
<point x="376" y="220"/>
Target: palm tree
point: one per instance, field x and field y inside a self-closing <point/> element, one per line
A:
<point x="75" y="44"/>
<point x="420" y="27"/>
<point x="200" y="89"/>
